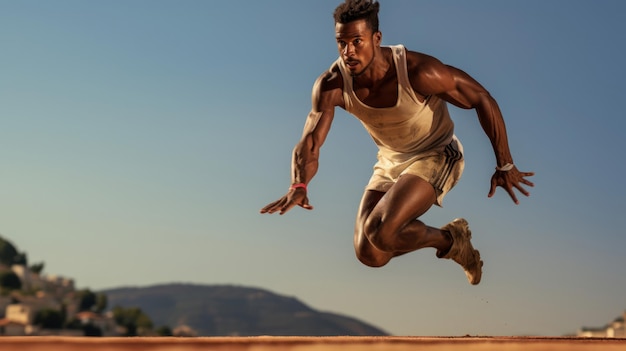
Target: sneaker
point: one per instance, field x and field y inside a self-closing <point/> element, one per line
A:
<point x="462" y="251"/>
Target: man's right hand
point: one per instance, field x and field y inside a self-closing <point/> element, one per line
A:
<point x="294" y="197"/>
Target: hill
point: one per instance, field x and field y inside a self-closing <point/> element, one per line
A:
<point x="223" y="310"/>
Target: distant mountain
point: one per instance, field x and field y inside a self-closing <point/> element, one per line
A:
<point x="223" y="310"/>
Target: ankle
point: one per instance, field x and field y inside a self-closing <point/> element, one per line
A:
<point x="446" y="244"/>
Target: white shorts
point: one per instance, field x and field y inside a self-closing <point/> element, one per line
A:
<point x="442" y="170"/>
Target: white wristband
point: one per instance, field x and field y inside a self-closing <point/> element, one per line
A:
<point x="507" y="167"/>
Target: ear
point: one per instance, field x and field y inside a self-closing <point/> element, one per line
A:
<point x="378" y="38"/>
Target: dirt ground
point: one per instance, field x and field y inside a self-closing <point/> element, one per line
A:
<point x="272" y="343"/>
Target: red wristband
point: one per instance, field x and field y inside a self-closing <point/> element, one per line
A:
<point x="298" y="185"/>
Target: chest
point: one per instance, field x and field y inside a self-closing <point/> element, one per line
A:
<point x="380" y="95"/>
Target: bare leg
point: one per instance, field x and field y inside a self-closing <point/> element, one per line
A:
<point x="387" y="224"/>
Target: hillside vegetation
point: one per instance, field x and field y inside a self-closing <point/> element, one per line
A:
<point x="221" y="310"/>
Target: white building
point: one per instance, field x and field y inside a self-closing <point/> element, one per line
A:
<point x="615" y="329"/>
<point x="30" y="280"/>
<point x="20" y="313"/>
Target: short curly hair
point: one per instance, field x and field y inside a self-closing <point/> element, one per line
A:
<point x="353" y="10"/>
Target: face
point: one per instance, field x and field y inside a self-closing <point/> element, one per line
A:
<point x="357" y="45"/>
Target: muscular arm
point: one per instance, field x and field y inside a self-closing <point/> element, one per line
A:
<point x="325" y="97"/>
<point x="431" y="77"/>
<point x="305" y="159"/>
<point x="465" y="92"/>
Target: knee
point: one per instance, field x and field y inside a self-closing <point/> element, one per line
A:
<point x="372" y="260"/>
<point x="379" y="234"/>
<point x="367" y="253"/>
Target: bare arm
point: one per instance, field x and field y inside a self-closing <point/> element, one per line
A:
<point x="305" y="159"/>
<point x="467" y="93"/>
<point x="457" y="87"/>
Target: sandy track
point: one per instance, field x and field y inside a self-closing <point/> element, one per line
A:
<point x="271" y="343"/>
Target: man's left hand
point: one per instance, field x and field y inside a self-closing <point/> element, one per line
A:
<point x="509" y="180"/>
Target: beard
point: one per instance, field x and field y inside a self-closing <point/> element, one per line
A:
<point x="355" y="74"/>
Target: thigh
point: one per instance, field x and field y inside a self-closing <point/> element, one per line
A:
<point x="369" y="200"/>
<point x="407" y="199"/>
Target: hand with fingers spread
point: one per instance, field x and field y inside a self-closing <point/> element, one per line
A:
<point x="509" y="179"/>
<point x="295" y="196"/>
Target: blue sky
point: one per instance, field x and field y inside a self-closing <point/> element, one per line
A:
<point x="139" y="139"/>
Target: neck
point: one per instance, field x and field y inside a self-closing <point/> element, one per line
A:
<point x="375" y="70"/>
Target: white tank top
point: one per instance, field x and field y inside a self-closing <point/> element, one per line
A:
<point x="410" y="127"/>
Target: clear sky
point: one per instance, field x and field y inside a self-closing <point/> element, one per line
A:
<point x="139" y="139"/>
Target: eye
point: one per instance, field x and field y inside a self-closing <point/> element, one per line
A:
<point x="357" y="41"/>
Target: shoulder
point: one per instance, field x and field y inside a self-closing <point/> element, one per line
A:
<point x="330" y="79"/>
<point x="328" y="88"/>
<point x="428" y="74"/>
<point x="420" y="63"/>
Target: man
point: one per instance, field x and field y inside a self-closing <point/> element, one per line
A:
<point x="400" y="97"/>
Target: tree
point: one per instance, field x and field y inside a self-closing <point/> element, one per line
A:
<point x="133" y="319"/>
<point x="9" y="281"/>
<point x="90" y="301"/>
<point x="101" y="302"/>
<point x="144" y="322"/>
<point x="37" y="268"/>
<point x="164" y="331"/>
<point x="20" y="258"/>
<point x="7" y="252"/>
<point x="88" y="329"/>
<point x="49" y="319"/>
<point x="86" y="300"/>
<point x="92" y="330"/>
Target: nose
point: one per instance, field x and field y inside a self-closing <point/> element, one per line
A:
<point x="348" y="50"/>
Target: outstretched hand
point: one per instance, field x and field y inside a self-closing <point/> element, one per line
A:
<point x="294" y="197"/>
<point x="509" y="180"/>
